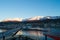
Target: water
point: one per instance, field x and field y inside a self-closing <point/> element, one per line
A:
<point x="38" y="35"/>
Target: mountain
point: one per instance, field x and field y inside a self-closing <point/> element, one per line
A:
<point x="36" y="18"/>
<point x="32" y="18"/>
<point x="12" y="19"/>
<point x="42" y="18"/>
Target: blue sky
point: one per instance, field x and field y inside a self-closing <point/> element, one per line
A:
<point x="28" y="8"/>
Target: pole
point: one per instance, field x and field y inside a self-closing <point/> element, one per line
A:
<point x="45" y="37"/>
<point x="3" y="37"/>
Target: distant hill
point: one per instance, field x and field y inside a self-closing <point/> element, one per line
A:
<point x="12" y="20"/>
<point x="42" y="18"/>
<point x="30" y="19"/>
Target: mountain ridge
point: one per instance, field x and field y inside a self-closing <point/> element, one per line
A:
<point x="32" y="18"/>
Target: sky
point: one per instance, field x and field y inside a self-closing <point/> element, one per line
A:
<point x="28" y="8"/>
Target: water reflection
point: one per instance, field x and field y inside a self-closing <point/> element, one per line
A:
<point x="33" y="34"/>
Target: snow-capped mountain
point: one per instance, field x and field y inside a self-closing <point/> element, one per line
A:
<point x="42" y="18"/>
<point x="36" y="18"/>
<point x="50" y="17"/>
<point x="55" y="17"/>
<point x="32" y="18"/>
<point x="12" y="19"/>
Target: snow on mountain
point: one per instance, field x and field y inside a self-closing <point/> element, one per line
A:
<point x="42" y="18"/>
<point x="32" y="18"/>
<point x="12" y="19"/>
<point x="50" y="17"/>
<point x="46" y="17"/>
<point x="36" y="18"/>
